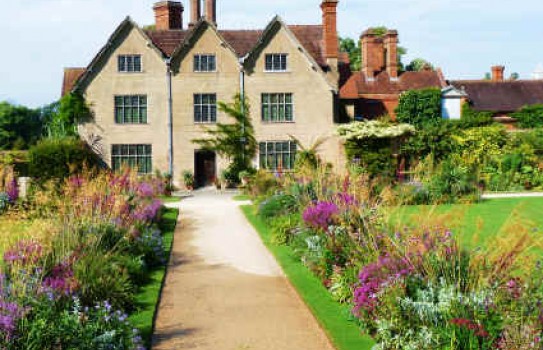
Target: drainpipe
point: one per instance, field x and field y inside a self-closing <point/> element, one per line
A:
<point x="170" y="114"/>
<point x="243" y="140"/>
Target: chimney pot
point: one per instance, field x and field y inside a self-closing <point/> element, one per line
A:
<point x="329" y="27"/>
<point x="498" y="73"/>
<point x="373" y="54"/>
<point x="195" y="11"/>
<point x="168" y="15"/>
<point x="391" y="52"/>
<point x="211" y="11"/>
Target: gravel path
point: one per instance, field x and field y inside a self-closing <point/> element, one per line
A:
<point x="491" y="195"/>
<point x="225" y="291"/>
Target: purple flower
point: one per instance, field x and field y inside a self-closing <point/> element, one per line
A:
<point x="24" y="253"/>
<point x="346" y="199"/>
<point x="10" y="314"/>
<point x="12" y="190"/>
<point x="375" y="277"/>
<point x="145" y="189"/>
<point x="320" y="215"/>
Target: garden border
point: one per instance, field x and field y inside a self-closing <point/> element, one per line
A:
<point x="332" y="317"/>
<point x="149" y="295"/>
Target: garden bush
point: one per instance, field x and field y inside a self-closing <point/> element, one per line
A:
<point x="73" y="288"/>
<point x="414" y="287"/>
<point x="60" y="158"/>
<point x="530" y="116"/>
<point x="276" y="205"/>
<point x="420" y="107"/>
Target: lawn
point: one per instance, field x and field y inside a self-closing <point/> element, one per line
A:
<point x="148" y="297"/>
<point x="334" y="318"/>
<point x="475" y="224"/>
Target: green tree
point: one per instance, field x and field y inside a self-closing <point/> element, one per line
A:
<point x="234" y="141"/>
<point x="419" y="64"/>
<point x="64" y="116"/>
<point x="352" y="48"/>
<point x="420" y="107"/>
<point x="20" y="127"/>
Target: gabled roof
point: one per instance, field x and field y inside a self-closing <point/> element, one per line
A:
<point x="358" y="85"/>
<point x="506" y="96"/>
<point x="71" y="75"/>
<point x="125" y="25"/>
<point x="244" y="41"/>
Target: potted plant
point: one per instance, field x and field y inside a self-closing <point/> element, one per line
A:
<point x="188" y="180"/>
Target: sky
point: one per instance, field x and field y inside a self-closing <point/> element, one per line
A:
<point x="463" y="37"/>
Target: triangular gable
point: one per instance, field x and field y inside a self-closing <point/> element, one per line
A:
<point x="452" y="92"/>
<point x="269" y="33"/>
<point x="103" y="54"/>
<point x="192" y="38"/>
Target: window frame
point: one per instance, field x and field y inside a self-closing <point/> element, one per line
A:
<point x="141" y="108"/>
<point x="283" y="60"/>
<point x="197" y="63"/>
<point x="274" y="153"/>
<point x="126" y="68"/>
<point x="200" y="107"/>
<point x="133" y="155"/>
<point x="268" y="106"/>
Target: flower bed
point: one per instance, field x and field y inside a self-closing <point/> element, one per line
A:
<point x="413" y="287"/>
<point x="75" y="287"/>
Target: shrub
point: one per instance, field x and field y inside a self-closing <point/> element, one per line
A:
<point x="101" y="277"/>
<point x="472" y="118"/>
<point x="283" y="228"/>
<point x="58" y="159"/>
<point x="188" y="179"/>
<point x="420" y="107"/>
<point x="277" y="205"/>
<point x="530" y="116"/>
<point x="263" y="183"/>
<point x="52" y="326"/>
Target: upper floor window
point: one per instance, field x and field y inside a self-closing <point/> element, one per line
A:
<point x="131" y="109"/>
<point x="133" y="156"/>
<point x="276" y="62"/>
<point x="129" y="63"/>
<point x="277" y="107"/>
<point x="205" y="108"/>
<point x="277" y="155"/>
<point x="205" y="63"/>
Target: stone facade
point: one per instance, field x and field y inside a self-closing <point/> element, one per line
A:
<point x="313" y="85"/>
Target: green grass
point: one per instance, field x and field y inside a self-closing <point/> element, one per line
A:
<point x="149" y="295"/>
<point x="242" y="198"/>
<point x="476" y="223"/>
<point x="169" y="199"/>
<point x="333" y="317"/>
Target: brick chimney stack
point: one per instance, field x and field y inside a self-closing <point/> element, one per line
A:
<point x="195" y="12"/>
<point x="168" y="15"/>
<point x="329" y="27"/>
<point x="373" y="54"/>
<point x="391" y="52"/>
<point x="498" y="73"/>
<point x="211" y="11"/>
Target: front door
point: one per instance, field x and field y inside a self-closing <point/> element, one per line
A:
<point x="205" y="168"/>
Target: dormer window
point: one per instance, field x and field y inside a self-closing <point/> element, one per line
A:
<point x="205" y="63"/>
<point x="129" y="63"/>
<point x="276" y="62"/>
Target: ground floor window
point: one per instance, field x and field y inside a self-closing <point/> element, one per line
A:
<point x="134" y="156"/>
<point x="277" y="155"/>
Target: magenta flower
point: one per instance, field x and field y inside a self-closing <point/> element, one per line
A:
<point x="320" y="215"/>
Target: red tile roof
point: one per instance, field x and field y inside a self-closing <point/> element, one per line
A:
<point x="358" y="84"/>
<point x="507" y="96"/>
<point x="167" y="40"/>
<point x="71" y="75"/>
<point x="243" y="41"/>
